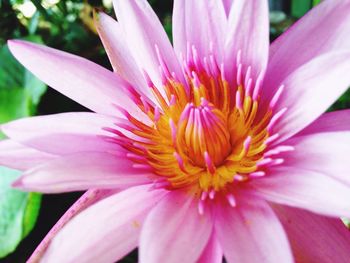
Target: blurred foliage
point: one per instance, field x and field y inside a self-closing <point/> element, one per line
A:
<point x="68" y="25"/>
<point x="11" y="212"/>
<point x="342" y="103"/>
<point x="300" y="7"/>
<point x="18" y="212"/>
<point x="284" y="13"/>
<point x="20" y="93"/>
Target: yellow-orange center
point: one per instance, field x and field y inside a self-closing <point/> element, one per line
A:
<point x="205" y="136"/>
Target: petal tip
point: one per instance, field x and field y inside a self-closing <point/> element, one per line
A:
<point x="4" y="127"/>
<point x="13" y="44"/>
<point x="20" y="48"/>
<point x="8" y="127"/>
<point x="18" y="184"/>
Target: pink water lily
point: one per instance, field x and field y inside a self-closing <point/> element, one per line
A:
<point x="214" y="148"/>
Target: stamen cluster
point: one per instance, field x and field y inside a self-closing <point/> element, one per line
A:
<point x="206" y="134"/>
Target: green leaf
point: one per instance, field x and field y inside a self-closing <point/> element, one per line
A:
<point x="300" y="7"/>
<point x="31" y="213"/>
<point x="18" y="212"/>
<point x="167" y="24"/>
<point x="14" y="78"/>
<point x="315" y="2"/>
<point x="342" y="103"/>
<point x="13" y="104"/>
<point x="346" y="222"/>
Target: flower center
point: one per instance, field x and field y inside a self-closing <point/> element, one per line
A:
<point x="205" y="134"/>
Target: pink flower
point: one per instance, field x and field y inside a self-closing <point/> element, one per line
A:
<point x="215" y="149"/>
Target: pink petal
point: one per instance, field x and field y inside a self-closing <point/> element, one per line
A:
<point x="123" y="63"/>
<point x="106" y="231"/>
<point x="328" y="122"/>
<point x="17" y="156"/>
<point x="305" y="189"/>
<point x="326" y="153"/>
<point x="63" y="133"/>
<point x="249" y="33"/>
<point x="227" y="6"/>
<point x="251" y="232"/>
<point x="307" y="92"/>
<point x="187" y="30"/>
<point x="174" y="231"/>
<point x="324" y="29"/>
<point x="143" y="31"/>
<point x="83" y="81"/>
<point x="212" y="253"/>
<point x="315" y="238"/>
<point x="82" y="171"/>
<point x="90" y="197"/>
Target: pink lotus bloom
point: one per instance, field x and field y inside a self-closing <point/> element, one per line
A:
<point x="214" y="148"/>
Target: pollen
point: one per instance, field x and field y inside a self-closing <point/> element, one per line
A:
<point x="206" y="134"/>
